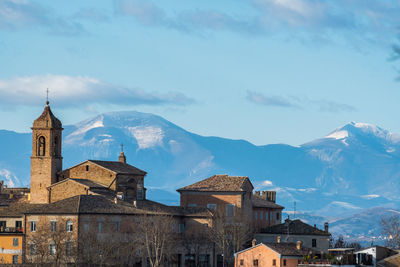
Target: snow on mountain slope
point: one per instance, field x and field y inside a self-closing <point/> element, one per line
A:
<point x="357" y="166"/>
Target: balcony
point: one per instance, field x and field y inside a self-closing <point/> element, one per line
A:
<point x="11" y="230"/>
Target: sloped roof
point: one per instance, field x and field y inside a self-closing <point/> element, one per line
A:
<point x="119" y="167"/>
<point x="259" y="202"/>
<point x="47" y="120"/>
<point x="285" y="249"/>
<point x="219" y="183"/>
<point x="16" y="209"/>
<point x="289" y="249"/>
<point x="293" y="227"/>
<point x="98" y="204"/>
<point x="84" y="204"/>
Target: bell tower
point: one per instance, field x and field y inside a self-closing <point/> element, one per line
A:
<point x="46" y="159"/>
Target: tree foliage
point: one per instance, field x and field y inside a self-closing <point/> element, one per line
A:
<point x="391" y="230"/>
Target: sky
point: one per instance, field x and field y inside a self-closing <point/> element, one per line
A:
<point x="267" y="71"/>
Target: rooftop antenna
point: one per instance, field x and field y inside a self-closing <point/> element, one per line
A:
<point x="294" y="210"/>
<point x="47" y="96"/>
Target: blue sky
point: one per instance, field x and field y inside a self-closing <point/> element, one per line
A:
<point x="268" y="71"/>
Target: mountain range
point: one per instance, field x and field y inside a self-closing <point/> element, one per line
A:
<point x="351" y="170"/>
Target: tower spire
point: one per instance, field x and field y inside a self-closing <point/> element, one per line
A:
<point x="47" y="97"/>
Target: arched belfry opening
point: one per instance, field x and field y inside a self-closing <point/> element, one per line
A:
<point x="41" y="146"/>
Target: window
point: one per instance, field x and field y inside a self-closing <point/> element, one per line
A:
<point x="261" y="215"/>
<point x="86" y="227"/>
<point x="87" y="168"/>
<point x="241" y="262"/>
<point x="140" y="194"/>
<point x="277" y="216"/>
<point x="266" y="216"/>
<point x="41" y="146"/>
<point x="255" y="215"/>
<point x="314" y="243"/>
<point x="18" y="225"/>
<point x="68" y="249"/>
<point x="53" y="226"/>
<point x="204" y="260"/>
<point x="15" y="242"/>
<point x="2" y="226"/>
<point x="69" y="226"/>
<point x="117" y="226"/>
<point x="255" y="262"/>
<point x="181" y="228"/>
<point x="284" y="262"/>
<point x="56" y="146"/>
<point x="274" y="262"/>
<point x="32" y="249"/>
<point x="229" y="210"/>
<point x="212" y="206"/>
<point x="100" y="227"/>
<point x="52" y="250"/>
<point x="33" y="226"/>
<point x="15" y="259"/>
<point x="192" y="205"/>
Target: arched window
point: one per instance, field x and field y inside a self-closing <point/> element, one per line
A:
<point x="41" y="146"/>
<point x="56" y="146"/>
<point x="69" y="226"/>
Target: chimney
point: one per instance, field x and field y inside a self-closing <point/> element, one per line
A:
<point x="326" y="227"/>
<point x="269" y="195"/>
<point x="135" y="203"/>
<point x="115" y="200"/>
<point x="278" y="239"/>
<point x="298" y="245"/>
<point x="122" y="157"/>
<point x="253" y="242"/>
<point x="315" y="226"/>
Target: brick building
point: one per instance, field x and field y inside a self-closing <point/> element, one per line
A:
<point x="272" y="255"/>
<point x="226" y="194"/>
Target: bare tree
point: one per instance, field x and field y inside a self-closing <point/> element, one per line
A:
<point x="230" y="233"/>
<point x="196" y="242"/>
<point x="55" y="246"/>
<point x="391" y="229"/>
<point x="157" y="233"/>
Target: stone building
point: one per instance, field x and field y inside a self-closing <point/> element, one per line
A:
<point x="227" y="194"/>
<point x="272" y="255"/>
<point x="292" y="231"/>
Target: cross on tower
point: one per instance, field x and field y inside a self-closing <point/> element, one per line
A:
<point x="47" y="96"/>
<point x="122" y="147"/>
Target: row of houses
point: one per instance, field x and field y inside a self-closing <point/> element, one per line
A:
<point x="98" y="211"/>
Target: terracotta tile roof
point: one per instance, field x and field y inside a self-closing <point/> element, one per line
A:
<point x="47" y="119"/>
<point x="295" y="227"/>
<point x="259" y="202"/>
<point x="289" y="249"/>
<point x="98" y="204"/>
<point x="222" y="183"/>
<point x="16" y="209"/>
<point x="91" y="184"/>
<point x="119" y="167"/>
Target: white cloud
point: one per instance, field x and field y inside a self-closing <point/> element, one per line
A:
<point x="80" y="90"/>
<point x="372" y="196"/>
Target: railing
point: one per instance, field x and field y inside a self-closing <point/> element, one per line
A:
<point x="11" y="230"/>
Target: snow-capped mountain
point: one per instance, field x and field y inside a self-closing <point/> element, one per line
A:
<point x="353" y="168"/>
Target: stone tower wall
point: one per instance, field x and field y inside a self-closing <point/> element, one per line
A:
<point x="44" y="169"/>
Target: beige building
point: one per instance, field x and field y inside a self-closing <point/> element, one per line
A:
<point x="292" y="231"/>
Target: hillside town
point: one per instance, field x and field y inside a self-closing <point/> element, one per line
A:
<point x="97" y="213"/>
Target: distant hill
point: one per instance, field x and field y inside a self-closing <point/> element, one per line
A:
<point x="354" y="168"/>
